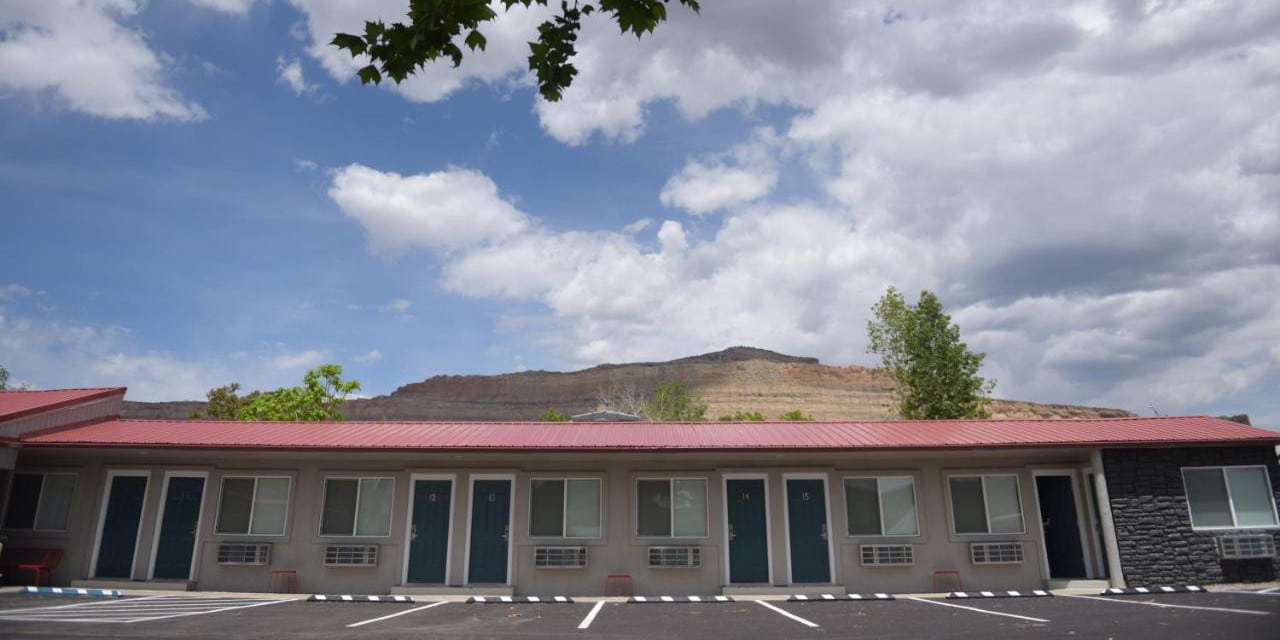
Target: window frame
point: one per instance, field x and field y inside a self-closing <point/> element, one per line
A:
<point x="253" y="505"/>
<point x="564" y="502"/>
<point x="670" y="480"/>
<point x="915" y="499"/>
<point x="986" y="504"/>
<point x="1231" y="505"/>
<point x="355" y="514"/>
<point x="8" y="500"/>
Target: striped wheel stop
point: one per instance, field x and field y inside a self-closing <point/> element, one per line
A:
<point x="966" y="595"/>
<point x="1129" y="591"/>
<point x="319" y="598"/>
<point x="519" y="600"/>
<point x="661" y="599"/>
<point x="839" y="597"/>
<point x="69" y="591"/>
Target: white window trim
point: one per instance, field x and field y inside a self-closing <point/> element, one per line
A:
<point x="253" y="505"/>
<point x="671" y="487"/>
<point x="75" y="480"/>
<point x="355" y="515"/>
<point x="564" y="501"/>
<point x="1231" y="504"/>
<point x="986" y="508"/>
<point x="915" y="500"/>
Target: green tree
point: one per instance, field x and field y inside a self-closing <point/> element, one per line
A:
<point x="4" y="378"/>
<point x="439" y="29"/>
<point x="936" y="374"/>
<point x="795" y="415"/>
<point x="674" y="402"/>
<point x="743" y="416"/>
<point x="318" y="399"/>
<point x="551" y="415"/>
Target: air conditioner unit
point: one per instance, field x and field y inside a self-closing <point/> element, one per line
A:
<point x="1245" y="547"/>
<point x="887" y="555"/>
<point x="675" y="557"/>
<point x="560" y="557"/>
<point x="995" y="552"/>
<point x="351" y="555"/>
<point x="244" y="553"/>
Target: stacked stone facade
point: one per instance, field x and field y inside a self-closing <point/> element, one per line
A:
<point x="1153" y="522"/>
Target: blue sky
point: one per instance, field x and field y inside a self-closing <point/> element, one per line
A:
<point x="207" y="196"/>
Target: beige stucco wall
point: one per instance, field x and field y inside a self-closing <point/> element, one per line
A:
<point x="617" y="551"/>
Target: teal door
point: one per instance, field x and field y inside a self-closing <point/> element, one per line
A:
<point x="490" y="531"/>
<point x="182" y="501"/>
<point x="807" y="529"/>
<point x="120" y="527"/>
<point x="429" y="531"/>
<point x="748" y="531"/>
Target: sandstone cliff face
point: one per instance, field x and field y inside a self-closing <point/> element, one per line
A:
<point x="736" y="379"/>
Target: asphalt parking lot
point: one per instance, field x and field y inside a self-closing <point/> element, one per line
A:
<point x="1184" y="615"/>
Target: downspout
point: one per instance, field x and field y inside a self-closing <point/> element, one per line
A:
<point x="1109" y="543"/>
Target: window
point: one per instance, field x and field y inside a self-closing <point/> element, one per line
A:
<point x="671" y="508"/>
<point x="40" y="501"/>
<point x="253" y="506"/>
<point x="986" y="504"/>
<point x="881" y="506"/>
<point x="567" y="508"/>
<point x="357" y="507"/>
<point x="1229" y="497"/>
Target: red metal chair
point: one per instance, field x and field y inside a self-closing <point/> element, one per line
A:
<point x="49" y="560"/>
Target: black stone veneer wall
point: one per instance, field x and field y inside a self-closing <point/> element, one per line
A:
<point x="1153" y="524"/>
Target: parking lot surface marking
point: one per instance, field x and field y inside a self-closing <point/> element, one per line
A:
<point x="133" y="609"/>
<point x="1174" y="606"/>
<point x="586" y="622"/>
<point x="788" y="614"/>
<point x="968" y="608"/>
<point x="396" y="614"/>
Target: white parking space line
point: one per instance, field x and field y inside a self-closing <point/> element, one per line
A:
<point x="967" y="608"/>
<point x="1166" y="605"/>
<point x="586" y="622"/>
<point x="198" y="613"/>
<point x="97" y="603"/>
<point x="396" y="614"/>
<point x="788" y="614"/>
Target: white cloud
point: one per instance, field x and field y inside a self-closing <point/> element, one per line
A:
<point x="302" y="164"/>
<point x="372" y="356"/>
<point x="746" y="173"/>
<point x="398" y="305"/>
<point x="235" y="7"/>
<point x="13" y="290"/>
<point x="289" y="74"/>
<point x="82" y="53"/>
<point x="637" y="226"/>
<point x="299" y="359"/>
<point x="451" y="209"/>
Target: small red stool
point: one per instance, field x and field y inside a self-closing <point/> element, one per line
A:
<point x="618" y="584"/>
<point x="283" y="581"/>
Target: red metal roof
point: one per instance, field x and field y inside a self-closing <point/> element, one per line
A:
<point x="15" y="404"/>
<point x="649" y="436"/>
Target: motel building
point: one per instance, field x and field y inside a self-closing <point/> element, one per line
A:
<point x="586" y="509"/>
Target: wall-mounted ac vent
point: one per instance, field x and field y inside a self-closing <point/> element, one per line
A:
<point x="244" y="553"/>
<point x="351" y="555"/>
<point x="560" y="557"/>
<point x="887" y="555"/>
<point x="996" y="552"/>
<point x="675" y="557"/>
<point x="1244" y="547"/>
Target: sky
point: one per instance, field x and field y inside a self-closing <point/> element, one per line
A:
<point x="194" y="192"/>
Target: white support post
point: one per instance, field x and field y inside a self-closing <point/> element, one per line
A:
<point x="1108" y="524"/>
